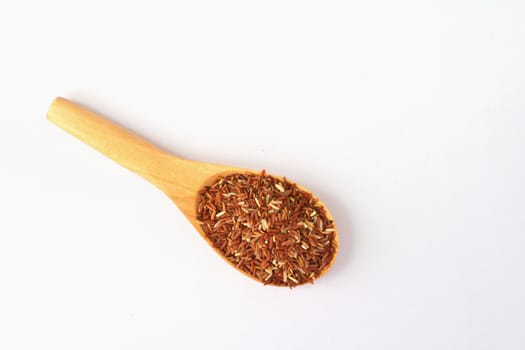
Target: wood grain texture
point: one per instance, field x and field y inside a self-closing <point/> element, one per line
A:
<point x="178" y="178"/>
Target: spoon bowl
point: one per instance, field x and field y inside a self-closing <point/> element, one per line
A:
<point x="180" y="179"/>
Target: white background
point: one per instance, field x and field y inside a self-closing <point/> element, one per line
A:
<point x="406" y="117"/>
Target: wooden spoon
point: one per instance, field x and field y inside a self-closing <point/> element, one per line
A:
<point x="180" y="179"/>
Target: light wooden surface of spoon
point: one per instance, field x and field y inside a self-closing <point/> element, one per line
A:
<point x="180" y="179"/>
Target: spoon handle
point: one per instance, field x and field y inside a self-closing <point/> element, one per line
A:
<point x="117" y="143"/>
